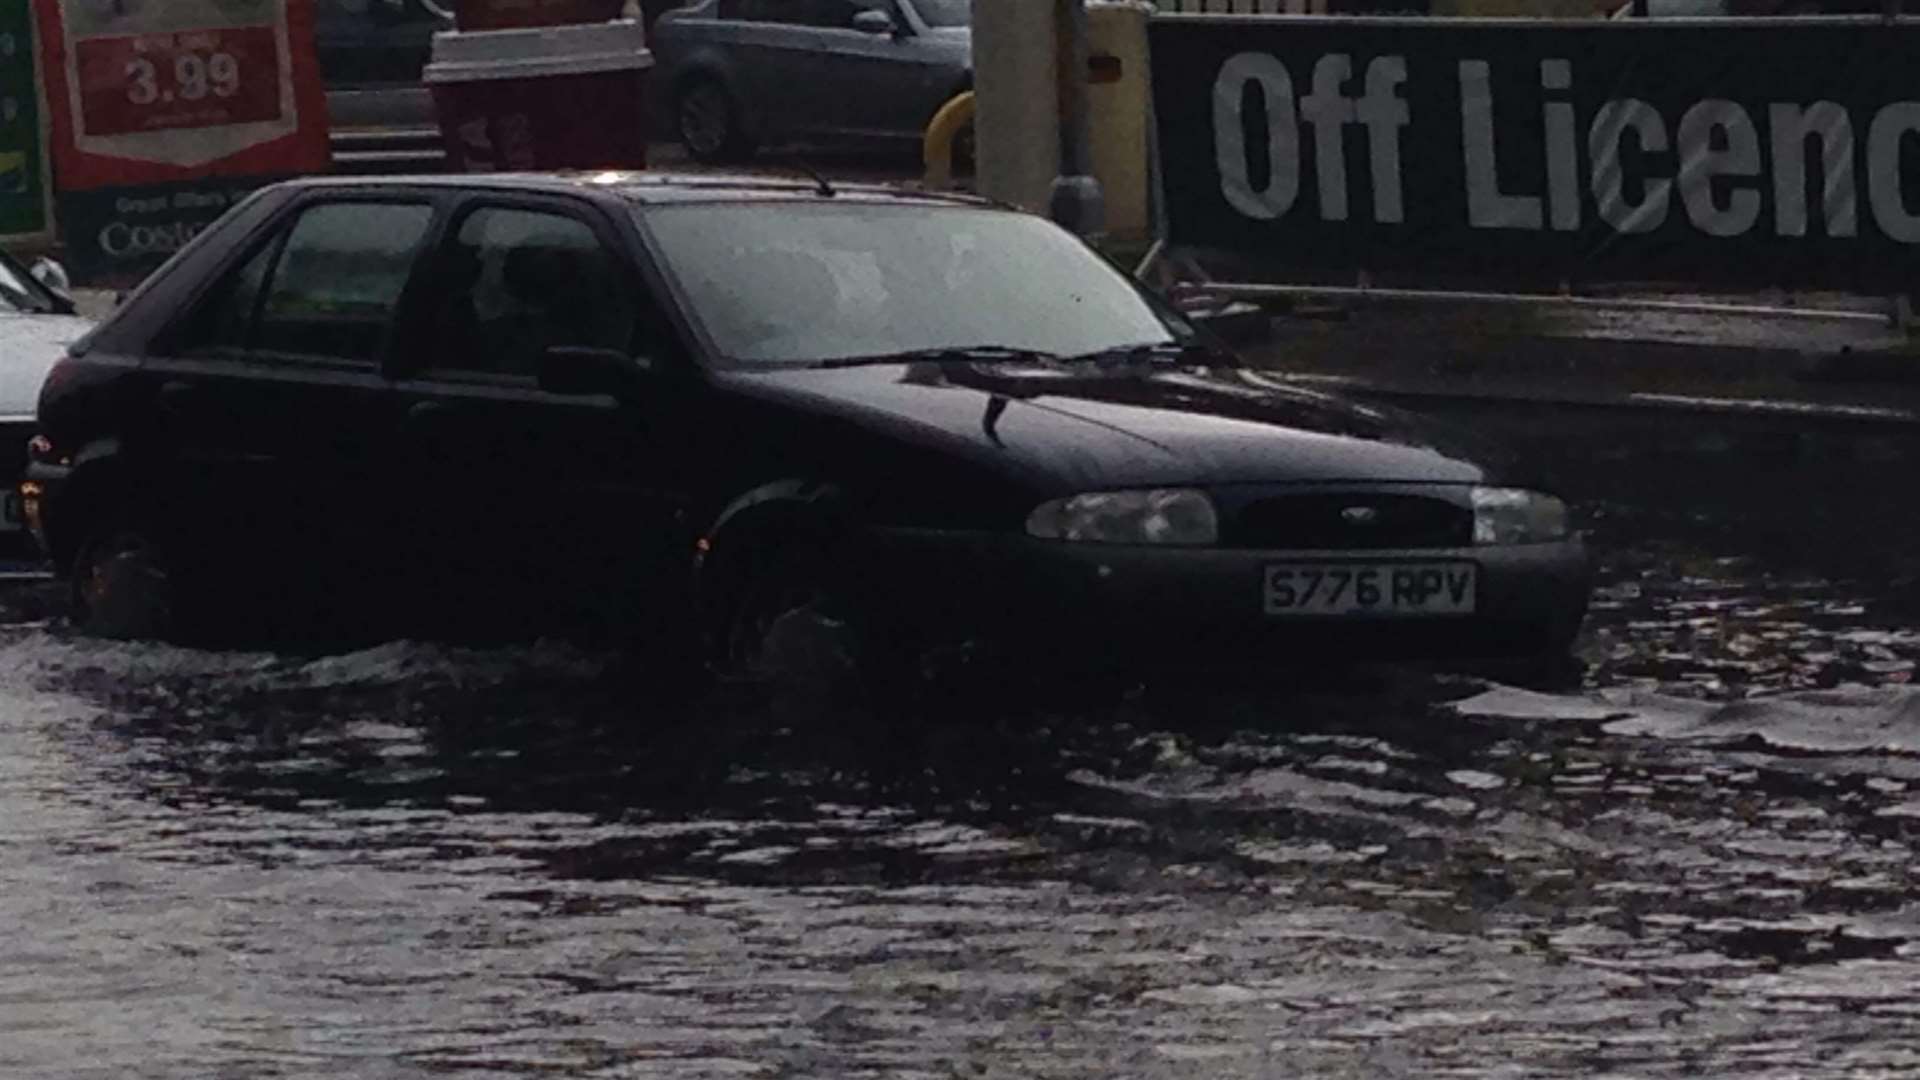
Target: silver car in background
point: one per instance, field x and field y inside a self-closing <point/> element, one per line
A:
<point x="738" y="74"/>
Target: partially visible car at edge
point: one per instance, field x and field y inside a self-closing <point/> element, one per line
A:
<point x="37" y="322"/>
<point x="738" y="74"/>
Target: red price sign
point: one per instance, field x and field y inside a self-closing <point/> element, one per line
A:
<point x="194" y="79"/>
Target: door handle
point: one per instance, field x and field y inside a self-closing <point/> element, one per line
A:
<point x="176" y="396"/>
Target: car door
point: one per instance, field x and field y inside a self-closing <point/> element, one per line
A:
<point x="872" y="84"/>
<point x="268" y="401"/>
<point x="769" y="51"/>
<point x="534" y="504"/>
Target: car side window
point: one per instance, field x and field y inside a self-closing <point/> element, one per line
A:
<point x="767" y="11"/>
<point x="517" y="282"/>
<point x="828" y="14"/>
<point x="224" y="322"/>
<point x="333" y="291"/>
<point x="837" y="14"/>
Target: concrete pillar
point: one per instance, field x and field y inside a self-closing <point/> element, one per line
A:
<point x="1017" y="109"/>
<point x="1117" y="29"/>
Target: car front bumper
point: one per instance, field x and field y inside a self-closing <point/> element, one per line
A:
<point x="1107" y="605"/>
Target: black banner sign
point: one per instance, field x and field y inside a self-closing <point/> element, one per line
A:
<point x="118" y="235"/>
<point x="1736" y="152"/>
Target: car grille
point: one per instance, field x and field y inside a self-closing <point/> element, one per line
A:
<point x="1350" y="522"/>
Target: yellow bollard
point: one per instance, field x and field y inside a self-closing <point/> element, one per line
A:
<point x="937" y="151"/>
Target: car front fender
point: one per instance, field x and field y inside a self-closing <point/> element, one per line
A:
<point x="792" y="500"/>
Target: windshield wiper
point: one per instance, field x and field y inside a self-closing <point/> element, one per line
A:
<point x="951" y="354"/>
<point x="1164" y="351"/>
<point x="1151" y="351"/>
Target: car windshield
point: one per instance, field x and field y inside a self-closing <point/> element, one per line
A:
<point x="945" y="12"/>
<point x="793" y="284"/>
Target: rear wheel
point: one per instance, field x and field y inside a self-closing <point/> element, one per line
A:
<point x="708" y="122"/>
<point x="125" y="586"/>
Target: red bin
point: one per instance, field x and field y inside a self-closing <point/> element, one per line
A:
<point x="539" y="99"/>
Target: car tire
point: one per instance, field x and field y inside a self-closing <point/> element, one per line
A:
<point x="125" y="585"/>
<point x="1553" y="666"/>
<point x="781" y="625"/>
<point x="708" y="122"/>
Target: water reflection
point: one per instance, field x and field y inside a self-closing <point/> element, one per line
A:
<point x="491" y="862"/>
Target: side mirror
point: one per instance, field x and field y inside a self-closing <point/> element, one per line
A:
<point x="51" y="274"/>
<point x="577" y="371"/>
<point x="871" y="21"/>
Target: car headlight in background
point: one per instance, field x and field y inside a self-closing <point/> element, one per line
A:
<point x="1516" y="516"/>
<point x="1176" y="516"/>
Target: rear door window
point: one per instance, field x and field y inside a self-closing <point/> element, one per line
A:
<point x="514" y="282"/>
<point x="225" y="321"/>
<point x="832" y="14"/>
<point x="772" y="11"/>
<point x="337" y="279"/>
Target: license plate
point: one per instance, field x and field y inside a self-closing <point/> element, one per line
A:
<point x="1387" y="589"/>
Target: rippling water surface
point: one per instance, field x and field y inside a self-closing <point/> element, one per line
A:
<point x="421" y="860"/>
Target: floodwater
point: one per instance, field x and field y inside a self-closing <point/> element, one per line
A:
<point x="424" y="860"/>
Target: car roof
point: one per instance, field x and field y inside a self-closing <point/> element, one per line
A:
<point x="649" y="188"/>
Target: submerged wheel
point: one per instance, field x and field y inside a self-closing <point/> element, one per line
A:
<point x="124" y="586"/>
<point x="781" y="626"/>
<point x="709" y="123"/>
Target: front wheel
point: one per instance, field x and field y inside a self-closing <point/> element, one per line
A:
<point x="780" y="625"/>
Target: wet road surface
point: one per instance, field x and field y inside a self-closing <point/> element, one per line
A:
<point x="425" y="860"/>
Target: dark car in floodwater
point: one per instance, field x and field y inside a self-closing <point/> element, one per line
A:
<point x="713" y="409"/>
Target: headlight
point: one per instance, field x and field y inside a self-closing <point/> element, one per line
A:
<point x="1514" y="516"/>
<point x="1174" y="516"/>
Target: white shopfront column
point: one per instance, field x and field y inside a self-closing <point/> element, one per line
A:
<point x="1016" y="97"/>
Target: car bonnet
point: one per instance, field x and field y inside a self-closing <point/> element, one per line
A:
<point x="1084" y="430"/>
